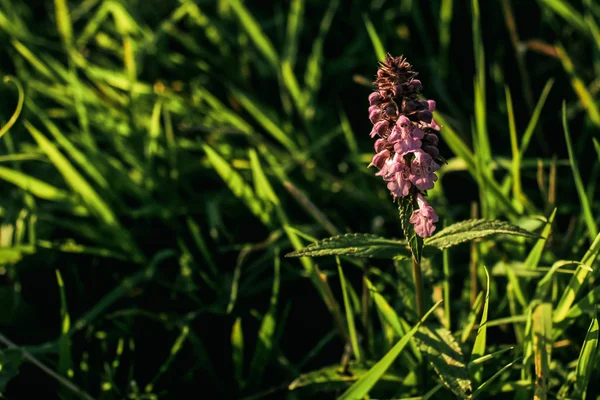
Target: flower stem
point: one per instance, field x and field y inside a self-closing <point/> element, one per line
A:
<point x="419" y="291"/>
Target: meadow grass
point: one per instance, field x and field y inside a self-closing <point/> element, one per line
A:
<point x="186" y="205"/>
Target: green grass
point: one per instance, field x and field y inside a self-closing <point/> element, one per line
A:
<point x="170" y="176"/>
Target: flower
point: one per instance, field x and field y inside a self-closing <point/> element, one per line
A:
<point x="422" y="170"/>
<point x="405" y="136"/>
<point x="423" y="218"/>
<point x="406" y="149"/>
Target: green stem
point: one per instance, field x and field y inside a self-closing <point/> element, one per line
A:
<point x="419" y="292"/>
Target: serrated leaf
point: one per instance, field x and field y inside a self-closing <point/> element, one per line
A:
<point x="445" y="355"/>
<point x="355" y="245"/>
<point x="406" y="207"/>
<point x="471" y="229"/>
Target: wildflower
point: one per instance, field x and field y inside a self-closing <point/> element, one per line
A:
<point x="424" y="218"/>
<point x="406" y="147"/>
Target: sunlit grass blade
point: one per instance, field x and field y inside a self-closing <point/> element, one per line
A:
<point x="567" y="12"/>
<point x="77" y="155"/>
<point x="255" y="33"/>
<point x="375" y="39"/>
<point x="471" y="318"/>
<point x="264" y="345"/>
<point x="11" y="121"/>
<point x="313" y="73"/>
<point x="254" y="108"/>
<point x="514" y="146"/>
<point x="175" y="349"/>
<point x="34" y="186"/>
<point x="588" y="216"/>
<point x="481" y="338"/>
<point x="587" y="359"/>
<point x="489" y="357"/>
<point x="534" y="118"/>
<point x="362" y="387"/>
<point x="534" y="256"/>
<point x="237" y="344"/>
<point x="544" y="284"/>
<point x="585" y="97"/>
<point x="79" y="185"/>
<point x="349" y="313"/>
<point x="236" y="183"/>
<point x="391" y="317"/>
<point x="487" y="383"/>
<point x="64" y="343"/>
<point x="542" y="348"/>
<point x="581" y="273"/>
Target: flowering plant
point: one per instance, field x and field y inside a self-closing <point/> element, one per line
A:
<point x="406" y="147"/>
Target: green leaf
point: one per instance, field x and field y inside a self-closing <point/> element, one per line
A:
<point x="444" y="353"/>
<point x="587" y="359"/>
<point x="362" y="387"/>
<point x="406" y="207"/>
<point x="355" y="245"/>
<point x="474" y="229"/>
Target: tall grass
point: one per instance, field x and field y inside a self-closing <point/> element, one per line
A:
<point x="158" y="161"/>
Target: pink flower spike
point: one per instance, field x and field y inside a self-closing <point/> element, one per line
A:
<point x="380" y="158"/>
<point x="375" y="98"/>
<point x="405" y="136"/>
<point x="375" y="115"/>
<point x="379" y="128"/>
<point x="422" y="170"/>
<point x="431" y="105"/>
<point x="424" y="218"/>
<point x="380" y="145"/>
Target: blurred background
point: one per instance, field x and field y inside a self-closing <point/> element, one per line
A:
<point x="168" y="154"/>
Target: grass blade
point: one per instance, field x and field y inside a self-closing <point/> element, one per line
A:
<point x="362" y="387"/>
<point x="264" y="345"/>
<point x="375" y="40"/>
<point x="585" y="204"/>
<point x="587" y="359"/>
<point x="349" y="313"/>
<point x="481" y="338"/>
<point x="542" y="348"/>
<point x="581" y="273"/>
